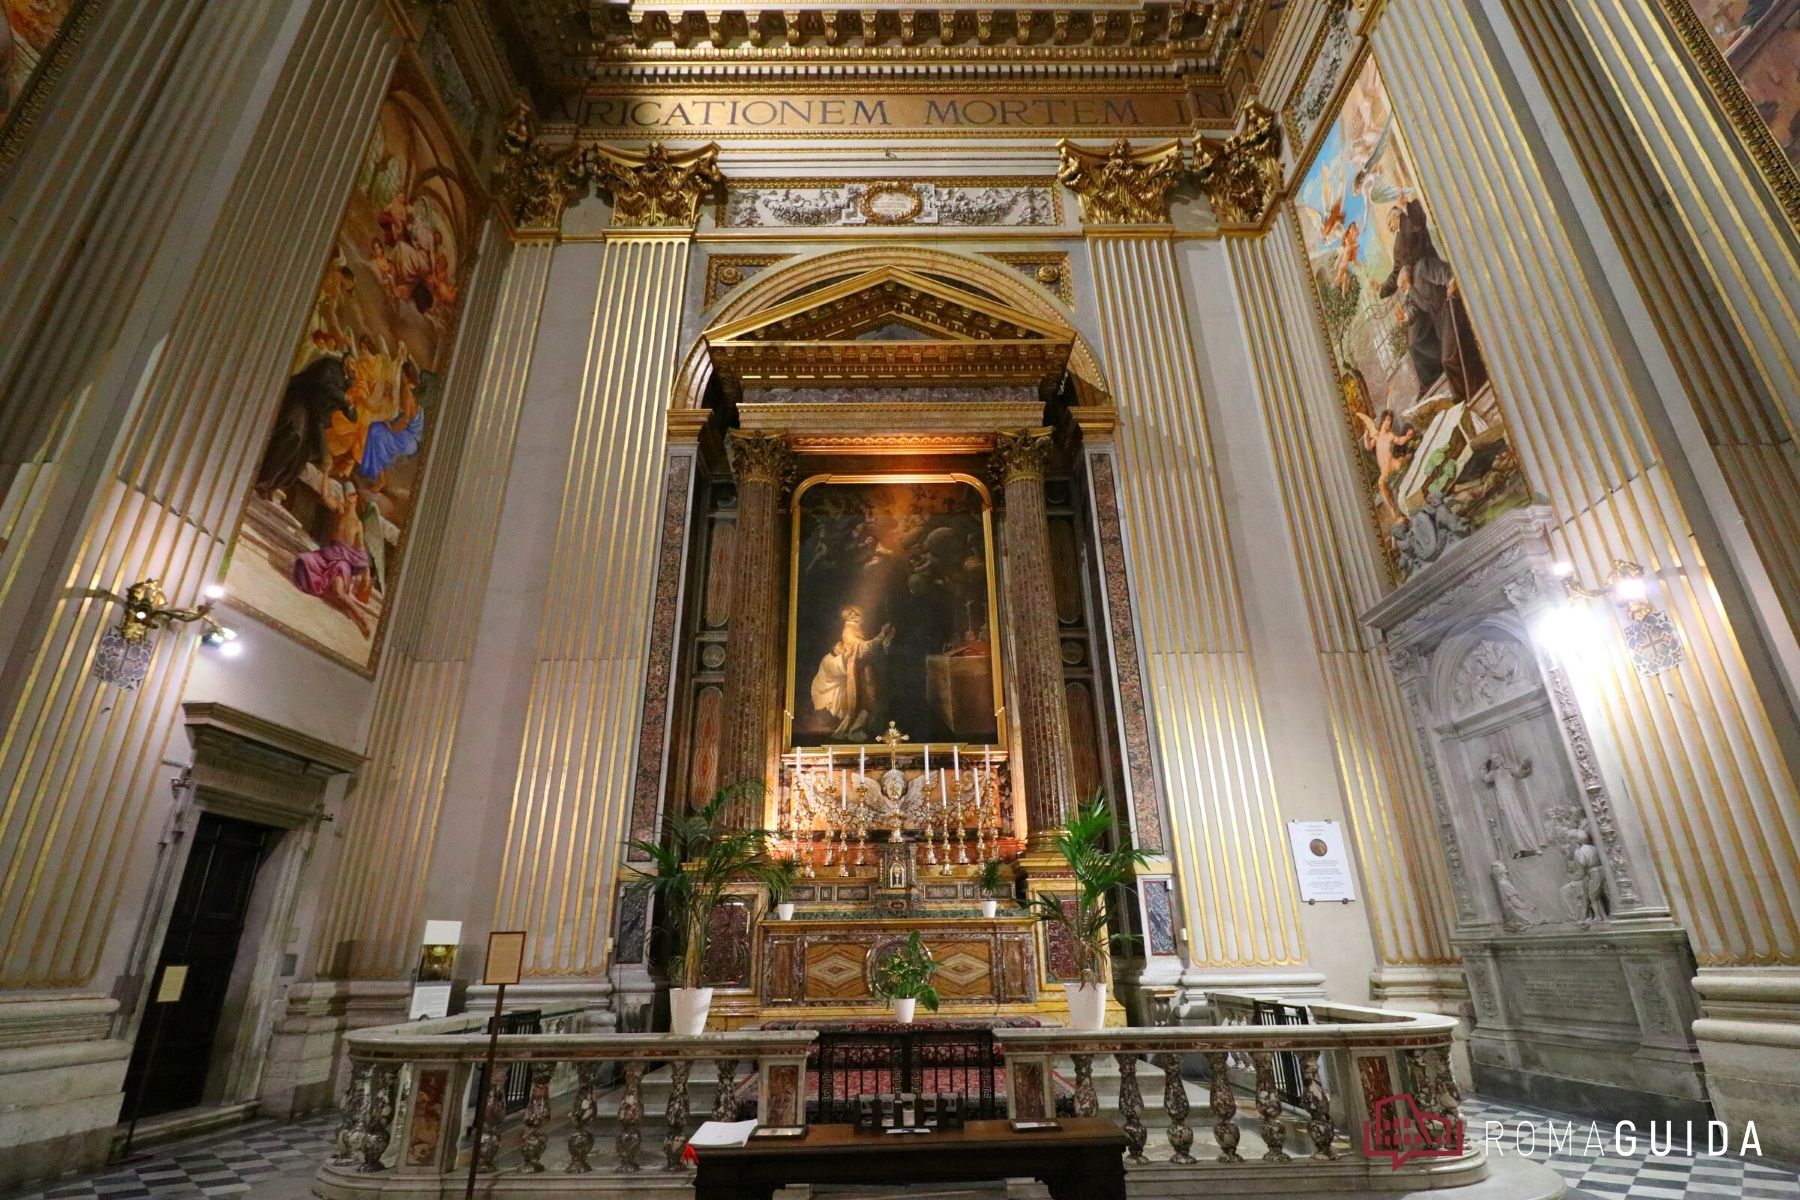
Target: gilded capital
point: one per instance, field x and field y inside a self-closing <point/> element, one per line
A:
<point x="1021" y="455"/>
<point x="1241" y="174"/>
<point x="1121" y="185"/>
<point x="533" y="182"/>
<point x="655" y="187"/>
<point x="760" y="457"/>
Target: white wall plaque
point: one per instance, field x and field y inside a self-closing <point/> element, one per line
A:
<point x="1321" y="861"/>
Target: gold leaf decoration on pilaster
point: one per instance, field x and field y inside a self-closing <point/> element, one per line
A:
<point x="760" y="457"/>
<point x="1241" y="174"/>
<point x="533" y="182"/>
<point x="655" y="187"/>
<point x="1021" y="455"/>
<point x="1121" y="185"/>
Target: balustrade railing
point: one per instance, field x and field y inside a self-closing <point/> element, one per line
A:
<point x="1361" y="1071"/>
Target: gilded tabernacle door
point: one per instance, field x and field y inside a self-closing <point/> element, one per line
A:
<point x="891" y="603"/>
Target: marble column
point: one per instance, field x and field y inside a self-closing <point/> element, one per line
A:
<point x="1020" y="459"/>
<point x="762" y="464"/>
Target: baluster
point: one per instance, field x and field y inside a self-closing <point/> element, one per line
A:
<point x="1175" y="1103"/>
<point x="725" y="1103"/>
<point x="1449" y="1096"/>
<point x="1318" y="1106"/>
<point x="488" y="1153"/>
<point x="1224" y="1108"/>
<point x="349" y="1134"/>
<point x="631" y="1115"/>
<point x="582" y="1116"/>
<point x="1087" y="1100"/>
<point x="379" y="1118"/>
<point x="1268" y="1104"/>
<point x="1131" y="1104"/>
<point x="537" y="1114"/>
<point x="677" y="1115"/>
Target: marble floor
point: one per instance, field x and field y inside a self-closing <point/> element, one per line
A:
<point x="268" y="1161"/>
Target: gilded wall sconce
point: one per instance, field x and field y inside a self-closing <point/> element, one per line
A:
<point x="126" y="649"/>
<point x="1650" y="635"/>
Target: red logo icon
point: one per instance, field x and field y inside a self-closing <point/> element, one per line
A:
<point x="1399" y="1130"/>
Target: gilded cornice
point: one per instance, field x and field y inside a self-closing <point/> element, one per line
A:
<point x="1022" y="454"/>
<point x="656" y="187"/>
<point x="1121" y="185"/>
<point x="1241" y="174"/>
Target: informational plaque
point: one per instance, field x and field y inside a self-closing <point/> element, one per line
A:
<point x="432" y="986"/>
<point x="174" y="978"/>
<point x="505" y="957"/>
<point x="1321" y="861"/>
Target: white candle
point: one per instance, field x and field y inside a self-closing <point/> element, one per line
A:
<point x="956" y="761"/>
<point x="862" y="761"/>
<point x="944" y="788"/>
<point x="828" y="760"/>
<point x="928" y="758"/>
<point x="844" y="786"/>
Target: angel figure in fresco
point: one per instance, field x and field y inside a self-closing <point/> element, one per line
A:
<point x="845" y="685"/>
<point x="1388" y="445"/>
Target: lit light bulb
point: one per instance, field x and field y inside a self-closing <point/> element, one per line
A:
<point x="1570" y="632"/>
<point x="1562" y="569"/>
<point x="214" y="591"/>
<point x="231" y="649"/>
<point x="1629" y="588"/>
<point x="228" y="633"/>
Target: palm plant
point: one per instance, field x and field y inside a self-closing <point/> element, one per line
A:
<point x="697" y="860"/>
<point x="990" y="879"/>
<point x="1097" y="871"/>
<point x="906" y="974"/>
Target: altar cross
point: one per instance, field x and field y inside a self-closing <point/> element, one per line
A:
<point x="893" y="737"/>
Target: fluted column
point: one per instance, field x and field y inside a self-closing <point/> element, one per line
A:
<point x="762" y="464"/>
<point x="1019" y="460"/>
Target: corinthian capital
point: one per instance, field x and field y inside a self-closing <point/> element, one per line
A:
<point x="654" y="187"/>
<point x="1022" y="454"/>
<point x="760" y="457"/>
<point x="1241" y="174"/>
<point x="533" y="182"/>
<point x="1121" y="185"/>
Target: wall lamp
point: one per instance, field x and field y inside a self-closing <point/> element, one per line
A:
<point x="1650" y="635"/>
<point x="125" y="650"/>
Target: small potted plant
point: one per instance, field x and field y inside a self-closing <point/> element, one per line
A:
<point x="699" y="858"/>
<point x="1098" y="872"/>
<point x="904" y="977"/>
<point x="991" y="879"/>
<point x="782" y="879"/>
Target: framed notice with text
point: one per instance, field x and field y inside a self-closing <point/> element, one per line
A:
<point x="1320" y="861"/>
<point x="505" y="957"/>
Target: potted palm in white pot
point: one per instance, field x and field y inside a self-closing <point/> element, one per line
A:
<point x="1097" y="872"/>
<point x="904" y="978"/>
<point x="991" y="881"/>
<point x="782" y="881"/>
<point x="693" y="866"/>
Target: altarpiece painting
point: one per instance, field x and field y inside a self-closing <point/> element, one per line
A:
<point x="27" y="29"/>
<point x="1436" y="455"/>
<point x="325" y="525"/>
<point x="1760" y="42"/>
<point x="890" y="613"/>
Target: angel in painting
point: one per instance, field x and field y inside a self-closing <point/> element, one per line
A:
<point x="1388" y="445"/>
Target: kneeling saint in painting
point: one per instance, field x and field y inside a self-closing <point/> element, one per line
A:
<point x="847" y="684"/>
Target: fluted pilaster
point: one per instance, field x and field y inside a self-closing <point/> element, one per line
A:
<point x="762" y="464"/>
<point x="404" y="799"/>
<point x="1020" y="460"/>
<point x="573" y="773"/>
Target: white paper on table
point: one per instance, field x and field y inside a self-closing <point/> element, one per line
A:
<point x="722" y="1133"/>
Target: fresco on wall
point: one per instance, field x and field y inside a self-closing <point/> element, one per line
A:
<point x="326" y="522"/>
<point x="1761" y="41"/>
<point x="25" y="36"/>
<point x="1434" y="448"/>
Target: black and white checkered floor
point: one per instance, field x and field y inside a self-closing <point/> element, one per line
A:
<point x="267" y="1161"/>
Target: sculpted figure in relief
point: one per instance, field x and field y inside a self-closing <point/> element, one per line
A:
<point x="1516" y="912"/>
<point x="1510" y="800"/>
<point x="1584" y="895"/>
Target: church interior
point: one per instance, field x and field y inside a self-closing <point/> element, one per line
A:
<point x="621" y="598"/>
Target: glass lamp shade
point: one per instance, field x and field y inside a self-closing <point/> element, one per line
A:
<point x="121" y="662"/>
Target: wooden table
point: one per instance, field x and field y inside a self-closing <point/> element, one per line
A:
<point x="1084" y="1160"/>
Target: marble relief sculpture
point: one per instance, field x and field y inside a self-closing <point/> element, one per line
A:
<point x="1516" y="911"/>
<point x="1509" y="805"/>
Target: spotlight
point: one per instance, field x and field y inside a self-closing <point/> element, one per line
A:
<point x="1628" y="589"/>
<point x="231" y="649"/>
<point x="1562" y="569"/>
<point x="214" y="591"/>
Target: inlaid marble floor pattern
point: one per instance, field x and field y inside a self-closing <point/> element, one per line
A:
<point x="269" y="1161"/>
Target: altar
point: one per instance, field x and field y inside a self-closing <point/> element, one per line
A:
<point x="890" y="547"/>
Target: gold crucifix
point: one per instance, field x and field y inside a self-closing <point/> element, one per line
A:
<point x="892" y="738"/>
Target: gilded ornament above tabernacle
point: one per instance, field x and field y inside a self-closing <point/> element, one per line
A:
<point x="1241" y="174"/>
<point x="1022" y="454"/>
<point x="1121" y="185"/>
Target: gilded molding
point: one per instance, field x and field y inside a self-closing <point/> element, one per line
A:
<point x="760" y="458"/>
<point x="1241" y="174"/>
<point x="655" y="187"/>
<point x="726" y="271"/>
<point x="1048" y="269"/>
<point x="1121" y="185"/>
<point x="29" y="104"/>
<point x="1022" y="454"/>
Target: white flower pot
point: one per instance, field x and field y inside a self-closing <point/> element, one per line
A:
<point x="688" y="1008"/>
<point x="785" y="910"/>
<point x="990" y="907"/>
<point x="1087" y="1005"/>
<point x="903" y="1011"/>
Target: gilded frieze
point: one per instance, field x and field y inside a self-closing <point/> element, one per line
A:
<point x="843" y="203"/>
